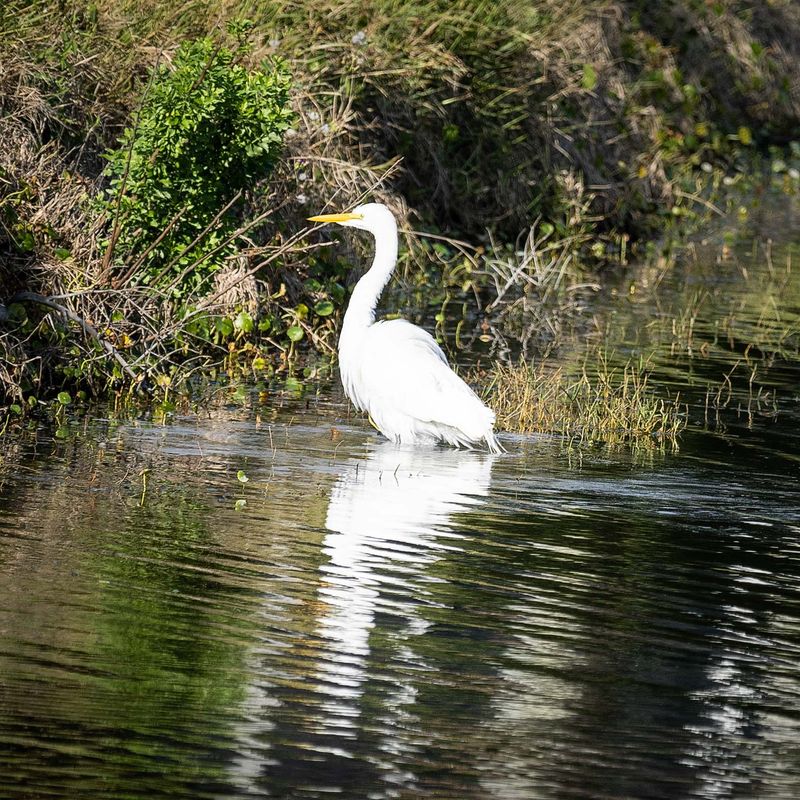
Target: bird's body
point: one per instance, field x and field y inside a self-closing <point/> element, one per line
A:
<point x="395" y="371"/>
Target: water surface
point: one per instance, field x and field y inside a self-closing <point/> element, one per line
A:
<point x="377" y="622"/>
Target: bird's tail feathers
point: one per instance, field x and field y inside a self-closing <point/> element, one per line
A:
<point x="494" y="445"/>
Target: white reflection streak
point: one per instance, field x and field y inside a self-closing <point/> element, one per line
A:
<point x="387" y="517"/>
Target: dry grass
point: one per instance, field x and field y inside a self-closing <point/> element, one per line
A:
<point x="612" y="405"/>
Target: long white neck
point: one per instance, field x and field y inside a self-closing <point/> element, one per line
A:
<point x="361" y="309"/>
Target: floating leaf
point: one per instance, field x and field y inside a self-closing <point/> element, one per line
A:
<point x="243" y="322"/>
<point x="25" y="241"/>
<point x="224" y="326"/>
<point x="295" y="333"/>
<point x="293" y="385"/>
<point x="337" y="292"/>
<point x="17" y="313"/>
<point x="589" y="80"/>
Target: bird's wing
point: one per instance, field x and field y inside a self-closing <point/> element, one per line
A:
<point x="407" y="370"/>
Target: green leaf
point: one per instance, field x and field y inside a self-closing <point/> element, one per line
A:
<point x="243" y="322"/>
<point x="295" y="333"/>
<point x="224" y="326"/>
<point x="26" y="242"/>
<point x="293" y="386"/>
<point x="337" y="292"/>
<point x="17" y="313"/>
<point x="745" y="137"/>
<point x="324" y="308"/>
<point x="15" y="408"/>
<point x="64" y="398"/>
<point x="240" y="504"/>
<point x="241" y="476"/>
<point x="589" y="80"/>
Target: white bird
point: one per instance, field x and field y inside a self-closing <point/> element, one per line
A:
<point x="394" y="370"/>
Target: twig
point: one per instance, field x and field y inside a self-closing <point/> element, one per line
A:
<point x="32" y="297"/>
<point x="698" y="199"/>
<point x="121" y="282"/>
<point x="112" y="242"/>
<point x="194" y="241"/>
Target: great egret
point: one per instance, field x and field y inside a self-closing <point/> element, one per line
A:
<point x="395" y="370"/>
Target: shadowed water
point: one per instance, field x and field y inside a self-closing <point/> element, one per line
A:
<point x="380" y="622"/>
<point x="376" y="622"/>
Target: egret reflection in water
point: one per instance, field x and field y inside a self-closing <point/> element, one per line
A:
<point x="387" y="519"/>
<point x="388" y="522"/>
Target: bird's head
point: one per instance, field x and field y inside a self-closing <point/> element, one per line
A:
<point x="371" y="217"/>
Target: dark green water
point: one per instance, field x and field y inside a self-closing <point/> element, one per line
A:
<point x="381" y="623"/>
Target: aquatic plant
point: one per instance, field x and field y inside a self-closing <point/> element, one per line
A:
<point x="607" y="404"/>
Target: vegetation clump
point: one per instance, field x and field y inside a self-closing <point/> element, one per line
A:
<point x="606" y="405"/>
<point x="185" y="250"/>
<point x="207" y="130"/>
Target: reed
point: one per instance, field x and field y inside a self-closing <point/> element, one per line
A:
<point x="606" y="404"/>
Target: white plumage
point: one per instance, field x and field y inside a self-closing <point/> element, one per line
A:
<point x="394" y="370"/>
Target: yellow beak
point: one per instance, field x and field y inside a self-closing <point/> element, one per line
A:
<point x="347" y="217"/>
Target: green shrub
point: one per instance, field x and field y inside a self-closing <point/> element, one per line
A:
<point x="207" y="129"/>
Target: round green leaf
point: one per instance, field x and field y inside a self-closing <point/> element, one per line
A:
<point x="243" y="322"/>
<point x="295" y="333"/>
<point x="589" y="80"/>
<point x="17" y="313"/>
<point x="324" y="308"/>
<point x="224" y="326"/>
<point x="64" y="398"/>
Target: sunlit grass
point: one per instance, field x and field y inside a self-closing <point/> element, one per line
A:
<point x="608" y="404"/>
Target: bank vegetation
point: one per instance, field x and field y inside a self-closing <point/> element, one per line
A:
<point x="159" y="159"/>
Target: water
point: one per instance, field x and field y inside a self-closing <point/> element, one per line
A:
<point x="387" y="623"/>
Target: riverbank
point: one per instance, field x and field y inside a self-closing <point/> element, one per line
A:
<point x="594" y="126"/>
